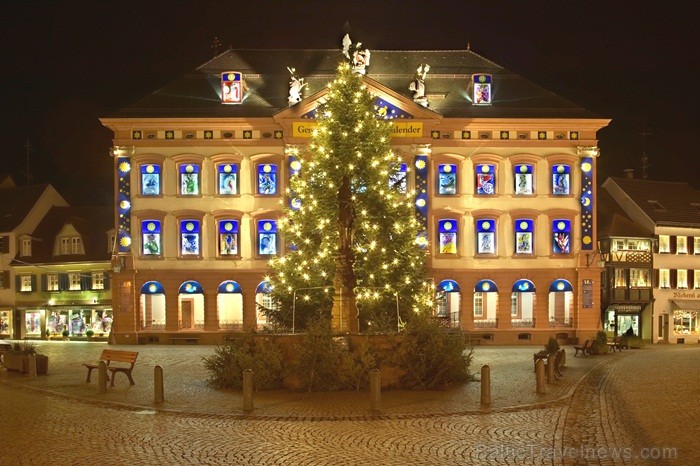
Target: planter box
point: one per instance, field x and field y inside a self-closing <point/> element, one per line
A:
<point x="20" y="363"/>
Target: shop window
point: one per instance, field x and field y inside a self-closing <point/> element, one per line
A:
<point x="74" y="281"/>
<point x="561" y="177"/>
<point x="447" y="179"/>
<point x="447" y="235"/>
<point x="52" y="282"/>
<point x="398" y="178"/>
<point x="561" y="236"/>
<point x="640" y="278"/>
<point x="228" y="237"/>
<point x="267" y="179"/>
<point x="523" y="176"/>
<point x="664" y="278"/>
<point x="189" y="179"/>
<point x="267" y="237"/>
<point x="98" y="280"/>
<point x="486" y="179"/>
<point x="151" y="237"/>
<point x="150" y="180"/>
<point x="227" y="179"/>
<point x="189" y="237"/>
<point x="664" y="244"/>
<point x="681" y="279"/>
<point x="486" y="236"/>
<point x="681" y="245"/>
<point x="26" y="247"/>
<point x="620" y="278"/>
<point x="685" y="322"/>
<point x="524" y="230"/>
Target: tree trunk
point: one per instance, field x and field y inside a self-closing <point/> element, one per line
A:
<point x="345" y="318"/>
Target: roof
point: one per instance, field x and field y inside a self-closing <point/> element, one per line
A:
<point x="614" y="222"/>
<point x="666" y="203"/>
<point x="16" y="203"/>
<point x="92" y="223"/>
<point x="197" y="94"/>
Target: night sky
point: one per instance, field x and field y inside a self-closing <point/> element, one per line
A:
<point x="66" y="63"/>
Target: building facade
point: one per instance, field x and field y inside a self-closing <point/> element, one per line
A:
<point x="671" y="211"/>
<point x="503" y="174"/>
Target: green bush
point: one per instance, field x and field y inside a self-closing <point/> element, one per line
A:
<point x="65" y="333"/>
<point x="635" y="342"/>
<point x="356" y="366"/>
<point x="552" y="346"/>
<point x="25" y="348"/>
<point x="262" y="356"/>
<point x="431" y="356"/>
<point x="320" y="357"/>
<point x="89" y="333"/>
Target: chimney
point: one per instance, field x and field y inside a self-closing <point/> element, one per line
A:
<point x="629" y="173"/>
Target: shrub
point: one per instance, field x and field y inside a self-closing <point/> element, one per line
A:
<point x="25" y="348"/>
<point x="262" y="356"/>
<point x="65" y="333"/>
<point x="635" y="342"/>
<point x="430" y="356"/>
<point x="552" y="346"/>
<point x="320" y="357"/>
<point x="89" y="333"/>
<point x="356" y="366"/>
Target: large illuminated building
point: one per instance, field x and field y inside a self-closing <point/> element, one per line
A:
<point x="503" y="174"/>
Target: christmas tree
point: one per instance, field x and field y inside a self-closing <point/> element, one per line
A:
<point x="350" y="232"/>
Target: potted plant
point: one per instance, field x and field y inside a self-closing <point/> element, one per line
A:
<point x="89" y="333"/>
<point x="65" y="334"/>
<point x="47" y="333"/>
<point x="600" y="344"/>
<point x="551" y="347"/>
<point x="17" y="359"/>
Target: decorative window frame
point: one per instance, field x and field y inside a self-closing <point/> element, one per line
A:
<point x="196" y="217"/>
<point x="182" y="163"/>
<point x="221" y="160"/>
<point x="141" y="162"/>
<point x="565" y="215"/>
<point x="486" y="215"/>
<point x="258" y="217"/>
<point x="573" y="164"/>
<point x="220" y="216"/>
<point x="494" y="161"/>
<point x="145" y="216"/>
<point x="524" y="164"/>
<point x="449" y="165"/>
<point x="278" y="161"/>
<point x="456" y="224"/>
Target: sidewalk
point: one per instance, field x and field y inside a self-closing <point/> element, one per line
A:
<point x="186" y="388"/>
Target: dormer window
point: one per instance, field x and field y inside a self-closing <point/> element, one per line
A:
<point x="71" y="245"/>
<point x="481" y="89"/>
<point x="27" y="247"/>
<point x="656" y="205"/>
<point x="231" y="87"/>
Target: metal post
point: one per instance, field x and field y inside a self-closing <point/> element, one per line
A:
<point x="375" y="388"/>
<point x="294" y="308"/>
<point x="562" y="362"/>
<point x="102" y="377"/>
<point x="247" y="390"/>
<point x="550" y="368"/>
<point x="398" y="316"/>
<point x="32" y="366"/>
<point x="539" y="376"/>
<point x="485" y="384"/>
<point x="158" y="392"/>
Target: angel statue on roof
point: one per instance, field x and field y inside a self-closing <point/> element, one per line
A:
<point x="296" y="84"/>
<point x="359" y="58"/>
<point x="417" y="86"/>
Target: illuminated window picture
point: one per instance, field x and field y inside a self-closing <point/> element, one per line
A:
<point x="267" y="237"/>
<point x="294" y="170"/>
<point x="561" y="236"/>
<point x="228" y="179"/>
<point x="189" y="237"/>
<point x="267" y="179"/>
<point x="228" y="237"/>
<point x="486" y="179"/>
<point x="523" y="179"/>
<point x="524" y="236"/>
<point x="560" y="180"/>
<point x="481" y="89"/>
<point x="150" y="234"/>
<point x="447" y="233"/>
<point x="398" y="178"/>
<point x="486" y="237"/>
<point x="189" y="179"/>
<point x="150" y="180"/>
<point x="447" y="179"/>
<point x="231" y="87"/>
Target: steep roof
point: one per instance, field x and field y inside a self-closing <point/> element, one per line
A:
<point x="197" y="94"/>
<point x="92" y="223"/>
<point x="614" y="222"/>
<point x="16" y="203"/>
<point x="667" y="203"/>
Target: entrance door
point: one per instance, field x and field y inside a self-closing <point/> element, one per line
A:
<point x="625" y="322"/>
<point x="186" y="313"/>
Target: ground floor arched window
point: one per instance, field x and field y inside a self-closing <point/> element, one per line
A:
<point x="485" y="303"/>
<point x="522" y="303"/>
<point x="263" y="300"/>
<point x="561" y="301"/>
<point x="152" y="306"/>
<point x="448" y="302"/>
<point x="229" y="302"/>
<point x="191" y="304"/>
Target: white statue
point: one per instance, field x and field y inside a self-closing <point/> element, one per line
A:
<point x="295" y="87"/>
<point x="417" y="86"/>
<point x="360" y="59"/>
<point x="346" y="46"/>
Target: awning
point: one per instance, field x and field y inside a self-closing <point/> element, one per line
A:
<point x="627" y="307"/>
<point x="686" y="304"/>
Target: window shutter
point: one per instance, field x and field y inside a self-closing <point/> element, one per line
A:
<point x="85" y="281"/>
<point x="18" y="282"/>
<point x="672" y="244"/>
<point x="106" y="280"/>
<point x="673" y="273"/>
<point x="62" y="281"/>
<point x="656" y="244"/>
<point x="690" y="245"/>
<point x="6" y="279"/>
<point x="655" y="283"/>
<point x="4" y="244"/>
<point x="34" y="282"/>
<point x="44" y="282"/>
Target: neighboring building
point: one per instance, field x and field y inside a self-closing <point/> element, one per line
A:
<point x="504" y="174"/>
<point x="21" y="210"/>
<point x="671" y="210"/>
<point x="62" y="274"/>
<point x="627" y="283"/>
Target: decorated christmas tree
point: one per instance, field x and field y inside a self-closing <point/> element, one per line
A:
<point x="350" y="228"/>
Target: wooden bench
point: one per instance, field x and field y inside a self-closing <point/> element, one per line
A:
<point x="119" y="356"/>
<point x="615" y="344"/>
<point x="556" y="361"/>
<point x="586" y="348"/>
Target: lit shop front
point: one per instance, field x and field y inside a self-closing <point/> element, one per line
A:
<point x="623" y="319"/>
<point x="5" y="323"/>
<point x="685" y="320"/>
<point x="54" y="321"/>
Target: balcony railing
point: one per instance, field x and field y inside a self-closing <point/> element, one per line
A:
<point x="561" y="322"/>
<point x="486" y="323"/>
<point x="521" y="323"/>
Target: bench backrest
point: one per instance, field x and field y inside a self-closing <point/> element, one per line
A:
<point x="588" y="343"/>
<point x="119" y="356"/>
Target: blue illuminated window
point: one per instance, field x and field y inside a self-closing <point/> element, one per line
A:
<point x="228" y="237"/>
<point x="228" y="179"/>
<point x="151" y="238"/>
<point x="486" y="236"/>
<point x="561" y="177"/>
<point x="523" y="179"/>
<point x="398" y="178"/>
<point x="447" y="179"/>
<point x="524" y="232"/>
<point x="267" y="237"/>
<point x="150" y="180"/>
<point x="447" y="235"/>
<point x="267" y="179"/>
<point x="189" y="179"/>
<point x="189" y="237"/>
<point x="561" y="236"/>
<point x="486" y="179"/>
<point x="481" y="89"/>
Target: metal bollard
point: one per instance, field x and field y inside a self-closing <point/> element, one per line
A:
<point x="539" y="375"/>
<point x="102" y="376"/>
<point x="485" y="384"/>
<point x="550" y="368"/>
<point x="562" y="363"/>
<point x="158" y="393"/>
<point x="32" y="366"/>
<point x="375" y="389"/>
<point x="247" y="390"/>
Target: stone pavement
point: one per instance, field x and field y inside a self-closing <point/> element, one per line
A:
<point x="629" y="408"/>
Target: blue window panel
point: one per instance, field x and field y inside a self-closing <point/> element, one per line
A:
<point x="524" y="232"/>
<point x="447" y="179"/>
<point x="267" y="237"/>
<point x="228" y="179"/>
<point x="263" y="287"/>
<point x="229" y="286"/>
<point x="189" y="237"/>
<point x="560" y="285"/>
<point x="481" y="89"/>
<point x="448" y="286"/>
<point x="398" y="178"/>
<point x="228" y="237"/>
<point x="191" y="287"/>
<point x="150" y="180"/>
<point x="267" y="179"/>
<point x="523" y="286"/>
<point x="561" y="180"/>
<point x="486" y="179"/>
<point x="561" y="236"/>
<point x="152" y="287"/>
<point x="447" y="233"/>
<point x="523" y="177"/>
<point x="486" y="286"/>
<point x="189" y="179"/>
<point x="151" y="237"/>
